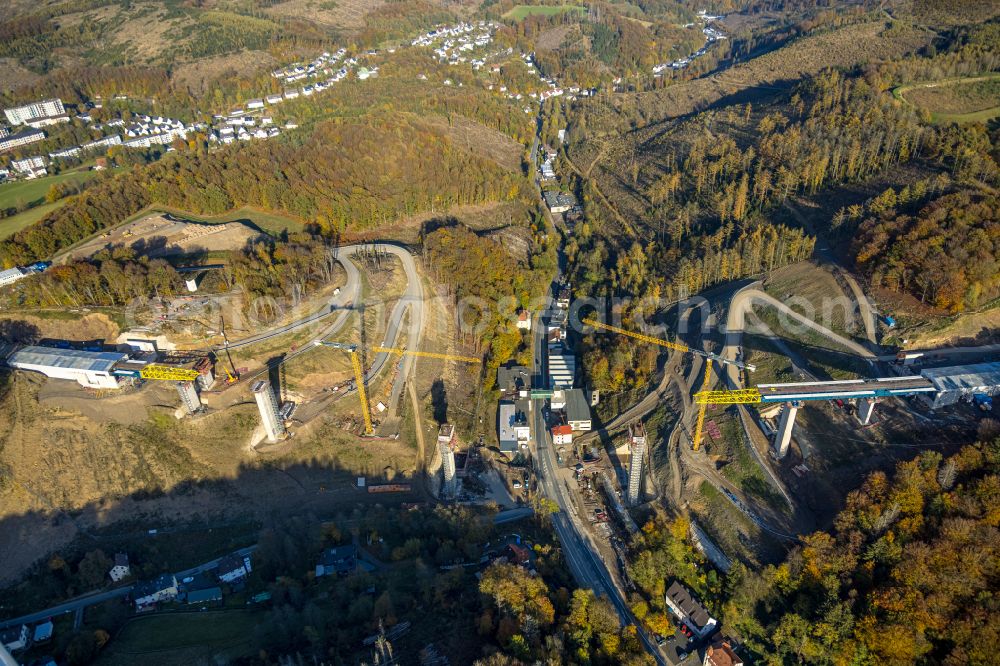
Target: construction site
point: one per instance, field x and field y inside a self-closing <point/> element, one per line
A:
<point x="290" y="415"/>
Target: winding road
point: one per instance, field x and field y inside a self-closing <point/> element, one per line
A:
<point x="347" y="301"/>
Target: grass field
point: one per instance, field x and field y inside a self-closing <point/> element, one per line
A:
<point x="32" y="192"/>
<point x="965" y="100"/>
<point x="11" y="225"/>
<point x="521" y="12"/>
<point x="170" y="638"/>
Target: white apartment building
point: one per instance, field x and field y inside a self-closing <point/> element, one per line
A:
<point x="21" y="139"/>
<point x="43" y="109"/>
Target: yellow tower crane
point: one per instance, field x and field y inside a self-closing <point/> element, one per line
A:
<point x="702" y="404"/>
<point x="359" y="376"/>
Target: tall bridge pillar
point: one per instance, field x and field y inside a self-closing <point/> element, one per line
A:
<point x="866" y="407"/>
<point x="784" y="436"/>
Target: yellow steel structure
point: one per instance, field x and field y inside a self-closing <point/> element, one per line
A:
<point x="704" y="397"/>
<point x="359" y="376"/>
<point x="359" y="380"/>
<point x="446" y="357"/>
<point x="700" y="424"/>
<point x="168" y="373"/>
<point x="638" y="336"/>
<point x="747" y="396"/>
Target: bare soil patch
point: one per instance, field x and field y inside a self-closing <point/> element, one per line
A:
<point x="148" y="33"/>
<point x="957" y="98"/>
<point x="198" y="74"/>
<point x="553" y="38"/>
<point x="14" y="76"/>
<point x="155" y="235"/>
<point x="345" y="14"/>
<point x="69" y="326"/>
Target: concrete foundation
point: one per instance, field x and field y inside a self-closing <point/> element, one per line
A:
<point x="784" y="436"/>
<point x="267" y="403"/>
<point x="866" y="407"/>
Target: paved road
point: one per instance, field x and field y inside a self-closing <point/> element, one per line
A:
<point x="582" y="555"/>
<point x="345" y="303"/>
<point x="740" y="306"/>
<point x="81" y="602"/>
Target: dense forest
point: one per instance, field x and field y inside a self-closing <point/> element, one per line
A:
<point x="531" y="623"/>
<point x="488" y="285"/>
<point x="387" y="166"/>
<point x="946" y="253"/>
<point x="907" y="575"/>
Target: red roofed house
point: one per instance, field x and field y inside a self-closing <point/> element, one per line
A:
<point x="562" y="434"/>
<point x="518" y="555"/>
<point x="721" y="654"/>
<point x="524" y="320"/>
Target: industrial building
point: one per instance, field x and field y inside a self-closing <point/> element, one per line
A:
<point x="11" y="275"/>
<point x="513" y="428"/>
<point x="562" y="366"/>
<point x="87" y="368"/>
<point x="577" y="410"/>
<point x="962" y="381"/>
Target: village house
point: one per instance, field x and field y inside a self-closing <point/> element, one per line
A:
<point x="340" y="560"/>
<point x="689" y="610"/>
<point x="150" y="592"/>
<point x="15" y="638"/>
<point x="234" y="568"/>
<point x="562" y="435"/>
<point x="121" y="568"/>
<point x="721" y="653"/>
<point x="514" y="381"/>
<point x="524" y="320"/>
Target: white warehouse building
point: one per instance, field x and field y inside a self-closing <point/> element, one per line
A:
<point x="90" y="369"/>
<point x="955" y="382"/>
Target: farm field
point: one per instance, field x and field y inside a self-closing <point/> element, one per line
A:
<point x="975" y="99"/>
<point x="520" y="12"/>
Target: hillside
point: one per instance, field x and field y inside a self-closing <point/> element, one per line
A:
<point x="195" y="45"/>
<point x="906" y="575"/>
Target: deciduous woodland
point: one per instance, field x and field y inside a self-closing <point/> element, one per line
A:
<point x="385" y="167"/>
<point x="907" y="575"/>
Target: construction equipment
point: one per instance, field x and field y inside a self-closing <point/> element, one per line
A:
<point x="168" y="373"/>
<point x="359" y="375"/>
<point x="708" y="356"/>
<point x="747" y="396"/>
<point x="702" y="406"/>
<point x="666" y="343"/>
<point x="230" y="379"/>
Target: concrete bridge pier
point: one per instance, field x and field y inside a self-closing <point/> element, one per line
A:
<point x="866" y="407"/>
<point x="784" y="435"/>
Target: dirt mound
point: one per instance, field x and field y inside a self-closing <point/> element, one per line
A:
<point x="93" y="326"/>
<point x="158" y="235"/>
